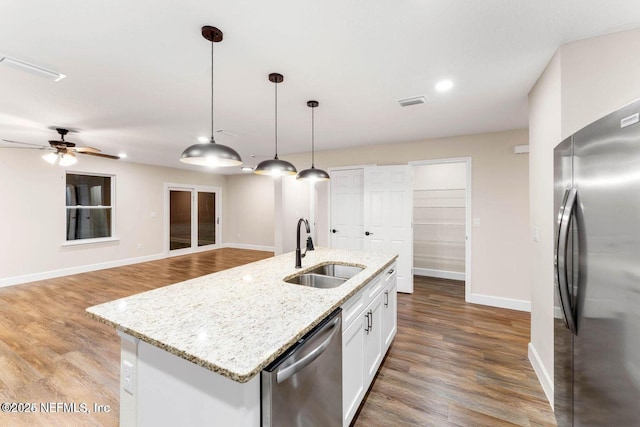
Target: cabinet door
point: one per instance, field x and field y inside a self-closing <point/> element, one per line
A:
<point x="373" y="339"/>
<point x="353" y="378"/>
<point x="389" y="314"/>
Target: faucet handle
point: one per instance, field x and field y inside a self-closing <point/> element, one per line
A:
<point x="310" y="244"/>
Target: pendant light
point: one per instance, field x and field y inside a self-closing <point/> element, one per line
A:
<point x="210" y="153"/>
<point x="275" y="167"/>
<point x="312" y="174"/>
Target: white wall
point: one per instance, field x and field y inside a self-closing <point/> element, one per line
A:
<point x="440" y="176"/>
<point x="293" y="201"/>
<point x="544" y="134"/>
<point x="32" y="218"/>
<point x="500" y="199"/>
<point x="249" y="212"/>
<point x="584" y="81"/>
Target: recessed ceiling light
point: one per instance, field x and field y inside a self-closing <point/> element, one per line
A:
<point x="122" y="155"/>
<point x="247" y="169"/>
<point x="444" y="85"/>
<point x="203" y="138"/>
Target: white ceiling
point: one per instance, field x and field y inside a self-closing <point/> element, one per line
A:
<point x="138" y="71"/>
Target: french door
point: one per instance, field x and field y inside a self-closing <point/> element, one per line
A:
<point x="371" y="210"/>
<point x="192" y="219"/>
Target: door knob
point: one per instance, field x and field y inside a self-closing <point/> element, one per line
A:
<point x="334" y="230"/>
<point x="366" y="233"/>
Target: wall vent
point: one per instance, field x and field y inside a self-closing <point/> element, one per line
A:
<point x="412" y="101"/>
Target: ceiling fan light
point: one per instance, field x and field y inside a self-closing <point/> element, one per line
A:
<point x="51" y="158"/>
<point x="211" y="154"/>
<point x="275" y="167"/>
<point x="68" y="160"/>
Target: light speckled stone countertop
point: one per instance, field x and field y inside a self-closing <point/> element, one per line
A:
<point x="237" y="321"/>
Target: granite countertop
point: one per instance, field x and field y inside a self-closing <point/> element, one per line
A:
<point x="237" y="321"/>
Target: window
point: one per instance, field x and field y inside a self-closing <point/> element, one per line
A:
<point x="89" y="206"/>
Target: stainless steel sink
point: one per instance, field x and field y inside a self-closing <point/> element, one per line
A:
<point x="337" y="270"/>
<point x="316" y="280"/>
<point x="325" y="276"/>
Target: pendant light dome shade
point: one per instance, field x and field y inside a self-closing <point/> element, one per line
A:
<point x="209" y="153"/>
<point x="312" y="174"/>
<point x="275" y="166"/>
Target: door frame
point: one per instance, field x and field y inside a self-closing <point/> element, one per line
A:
<point x="194" y="189"/>
<point x="468" y="215"/>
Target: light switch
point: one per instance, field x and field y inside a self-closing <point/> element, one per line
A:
<point x="476" y="222"/>
<point x="154" y="214"/>
<point x="535" y="234"/>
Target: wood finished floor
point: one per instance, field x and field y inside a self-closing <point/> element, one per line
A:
<point x="451" y="364"/>
<point x="455" y="364"/>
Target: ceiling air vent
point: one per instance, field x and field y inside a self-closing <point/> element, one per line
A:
<point x="412" y="101"/>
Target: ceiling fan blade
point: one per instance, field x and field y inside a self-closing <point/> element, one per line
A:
<point x="106" y="156"/>
<point x="29" y="148"/>
<point x="86" y="150"/>
<point x="24" y="143"/>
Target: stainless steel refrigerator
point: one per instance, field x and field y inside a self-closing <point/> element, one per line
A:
<point x="597" y="259"/>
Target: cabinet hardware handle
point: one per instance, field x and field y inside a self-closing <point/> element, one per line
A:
<point x="367" y="329"/>
<point x="386" y="298"/>
<point x="333" y="230"/>
<point x="391" y="271"/>
<point x="367" y="233"/>
<point x="371" y="320"/>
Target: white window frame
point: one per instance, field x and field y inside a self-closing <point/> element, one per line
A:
<point x="113" y="236"/>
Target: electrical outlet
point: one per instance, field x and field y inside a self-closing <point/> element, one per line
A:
<point x="127" y="376"/>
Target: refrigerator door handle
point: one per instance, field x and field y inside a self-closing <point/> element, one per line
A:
<point x="567" y="210"/>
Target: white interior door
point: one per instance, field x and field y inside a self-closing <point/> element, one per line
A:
<point x="388" y="202"/>
<point x="347" y="202"/>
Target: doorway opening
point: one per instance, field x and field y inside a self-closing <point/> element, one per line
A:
<point x="191" y="219"/>
<point x="442" y="219"/>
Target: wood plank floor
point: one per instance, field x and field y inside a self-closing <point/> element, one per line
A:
<point x="455" y="364"/>
<point x="50" y="351"/>
<point x="452" y="364"/>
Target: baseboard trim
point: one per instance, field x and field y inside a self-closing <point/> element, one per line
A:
<point x="512" y="304"/>
<point x="18" y="280"/>
<point x="250" y="247"/>
<point x="441" y="274"/>
<point x="543" y="375"/>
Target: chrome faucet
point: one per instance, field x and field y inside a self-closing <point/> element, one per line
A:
<point x="309" y="247"/>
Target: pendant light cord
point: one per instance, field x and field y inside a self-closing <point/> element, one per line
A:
<point x="211" y="91"/>
<point x="276" y="108"/>
<point x="312" y="138"/>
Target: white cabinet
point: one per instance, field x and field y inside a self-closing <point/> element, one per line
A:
<point x="373" y="339"/>
<point x="389" y="313"/>
<point x="369" y="326"/>
<point x="352" y="373"/>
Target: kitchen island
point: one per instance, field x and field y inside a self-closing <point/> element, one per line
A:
<point x="191" y="351"/>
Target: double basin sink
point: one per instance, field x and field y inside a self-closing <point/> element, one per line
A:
<point x="325" y="276"/>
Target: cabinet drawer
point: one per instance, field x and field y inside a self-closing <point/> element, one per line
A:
<point x="390" y="273"/>
<point x="352" y="309"/>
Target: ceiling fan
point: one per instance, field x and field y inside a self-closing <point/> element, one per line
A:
<point x="63" y="152"/>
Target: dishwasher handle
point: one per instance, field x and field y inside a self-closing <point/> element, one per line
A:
<point x="284" y="374"/>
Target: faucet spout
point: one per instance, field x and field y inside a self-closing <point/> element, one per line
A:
<point x="299" y="254"/>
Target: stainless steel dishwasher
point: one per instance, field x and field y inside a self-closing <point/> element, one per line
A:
<point x="303" y="387"/>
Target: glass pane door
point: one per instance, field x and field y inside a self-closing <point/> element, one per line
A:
<point x="206" y="218"/>
<point x="179" y="219"/>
